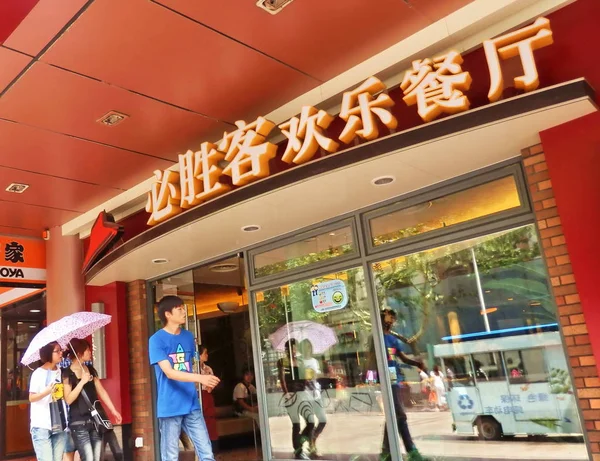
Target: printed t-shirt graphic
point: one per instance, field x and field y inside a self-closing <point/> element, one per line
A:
<point x="179" y="360"/>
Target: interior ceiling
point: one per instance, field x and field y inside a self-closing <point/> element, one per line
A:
<point x="183" y="71"/>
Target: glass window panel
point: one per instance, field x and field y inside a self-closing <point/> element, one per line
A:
<point x="459" y="371"/>
<point x="460" y="207"/>
<point x="321" y="247"/>
<point x="482" y="310"/>
<point x="526" y="366"/>
<point x="489" y="367"/>
<point x="320" y="367"/>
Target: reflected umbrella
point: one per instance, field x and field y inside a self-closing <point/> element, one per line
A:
<point x="321" y="337"/>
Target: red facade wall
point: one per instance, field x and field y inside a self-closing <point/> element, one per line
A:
<point x="573" y="156"/>
<point x="114" y="297"/>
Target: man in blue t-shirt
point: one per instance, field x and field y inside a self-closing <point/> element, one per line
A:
<point x="171" y="353"/>
<point x="394" y="351"/>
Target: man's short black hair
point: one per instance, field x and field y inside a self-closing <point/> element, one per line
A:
<point x="247" y="370"/>
<point x="390" y="312"/>
<point x="46" y="352"/>
<point x="167" y="304"/>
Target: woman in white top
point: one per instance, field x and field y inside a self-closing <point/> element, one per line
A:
<point x="312" y="371"/>
<point x="437" y="382"/>
<point x="46" y="381"/>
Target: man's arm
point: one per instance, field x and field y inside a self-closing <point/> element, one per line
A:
<point x="184" y="376"/>
<point x="410" y="362"/>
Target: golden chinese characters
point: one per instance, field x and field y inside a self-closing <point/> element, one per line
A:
<point x="164" y="198"/>
<point x="247" y="151"/>
<point x="521" y="43"/>
<point x="199" y="175"/>
<point x="359" y="108"/>
<point x="305" y="135"/>
<point x="436" y="86"/>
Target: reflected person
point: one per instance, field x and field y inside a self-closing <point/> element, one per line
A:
<point x="393" y="347"/>
<point x="312" y="371"/>
<point x="295" y="399"/>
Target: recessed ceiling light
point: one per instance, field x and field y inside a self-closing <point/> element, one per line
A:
<point x="17" y="188"/>
<point x="225" y="267"/>
<point x="160" y="261"/>
<point x="273" y="6"/>
<point x="251" y="228"/>
<point x="332" y="234"/>
<point x="34" y="311"/>
<point x="383" y="180"/>
<point x="19" y="323"/>
<point x="112" y="118"/>
<point x="32" y="326"/>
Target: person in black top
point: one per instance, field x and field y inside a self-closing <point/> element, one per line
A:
<point x="78" y="377"/>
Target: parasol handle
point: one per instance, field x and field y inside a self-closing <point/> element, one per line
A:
<point x="75" y="354"/>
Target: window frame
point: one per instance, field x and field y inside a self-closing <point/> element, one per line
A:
<point x="308" y="268"/>
<point x="467" y="227"/>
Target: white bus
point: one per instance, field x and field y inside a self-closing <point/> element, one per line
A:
<point x="509" y="386"/>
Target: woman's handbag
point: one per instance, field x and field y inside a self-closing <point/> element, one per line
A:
<point x="58" y="417"/>
<point x="101" y="422"/>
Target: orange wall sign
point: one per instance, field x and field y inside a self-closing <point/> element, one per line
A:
<point x="435" y="85"/>
<point x="22" y="260"/>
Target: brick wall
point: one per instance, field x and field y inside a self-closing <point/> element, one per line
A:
<point x="141" y="374"/>
<point x="565" y="292"/>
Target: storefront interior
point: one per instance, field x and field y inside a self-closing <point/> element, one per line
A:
<point x="19" y="323"/>
<point x="461" y="268"/>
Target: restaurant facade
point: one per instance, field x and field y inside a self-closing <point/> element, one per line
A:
<point x="459" y="194"/>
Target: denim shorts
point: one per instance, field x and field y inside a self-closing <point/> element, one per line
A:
<point x="70" y="445"/>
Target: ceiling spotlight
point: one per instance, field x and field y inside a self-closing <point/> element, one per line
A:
<point x="34" y="311"/>
<point x="160" y="261"/>
<point x="225" y="267"/>
<point x="17" y="188"/>
<point x="112" y="118"/>
<point x="251" y="228"/>
<point x="273" y="6"/>
<point x="383" y="180"/>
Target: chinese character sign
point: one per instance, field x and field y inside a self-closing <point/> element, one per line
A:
<point x="521" y="43"/>
<point x="247" y="151"/>
<point x="164" y="199"/>
<point x="24" y="260"/>
<point x="13" y="252"/>
<point x="436" y="86"/>
<point x="305" y="135"/>
<point x="199" y="175"/>
<point x="359" y="108"/>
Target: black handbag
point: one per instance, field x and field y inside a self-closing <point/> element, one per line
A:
<point x="58" y="418"/>
<point x="101" y="422"/>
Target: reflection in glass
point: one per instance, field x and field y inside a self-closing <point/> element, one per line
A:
<point x="460" y="207"/>
<point x="329" y="245"/>
<point x="320" y="372"/>
<point x="482" y="311"/>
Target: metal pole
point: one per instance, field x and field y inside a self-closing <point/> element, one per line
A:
<point x="480" y="292"/>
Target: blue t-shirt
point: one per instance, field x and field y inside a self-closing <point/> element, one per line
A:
<point x="392" y="346"/>
<point x="175" y="398"/>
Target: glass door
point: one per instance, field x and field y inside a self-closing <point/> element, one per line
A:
<point x="19" y="324"/>
<point x="322" y="390"/>
<point x="217" y="305"/>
